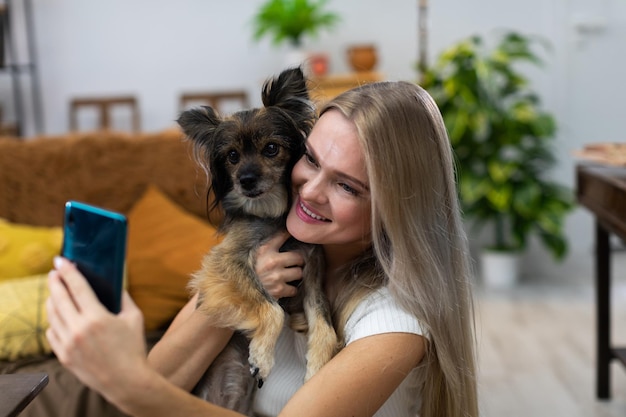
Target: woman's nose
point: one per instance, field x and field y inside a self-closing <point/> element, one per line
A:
<point x="312" y="189"/>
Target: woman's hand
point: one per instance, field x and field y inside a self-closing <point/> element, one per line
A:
<point x="107" y="352"/>
<point x="100" y="348"/>
<point x="277" y="269"/>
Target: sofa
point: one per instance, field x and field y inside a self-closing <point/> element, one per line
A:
<point x="150" y="177"/>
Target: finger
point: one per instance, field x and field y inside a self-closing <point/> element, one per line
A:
<point x="58" y="332"/>
<point x="60" y="306"/>
<point x="77" y="286"/>
<point x="55" y="342"/>
<point x="280" y="260"/>
<point x="292" y="258"/>
<point x="291" y="274"/>
<point x="54" y="320"/>
<point x="128" y="304"/>
<point x="288" y="291"/>
<point x="277" y="241"/>
<point x="130" y="309"/>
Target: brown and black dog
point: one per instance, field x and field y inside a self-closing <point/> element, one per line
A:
<point x="248" y="157"/>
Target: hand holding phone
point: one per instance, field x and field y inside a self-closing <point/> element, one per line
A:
<point x="95" y="240"/>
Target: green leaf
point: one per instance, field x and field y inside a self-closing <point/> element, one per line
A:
<point x="523" y="112"/>
<point x="292" y="19"/>
<point x="526" y="199"/>
<point x="499" y="171"/>
<point x="456" y="123"/>
<point x="500" y="197"/>
<point x="450" y="87"/>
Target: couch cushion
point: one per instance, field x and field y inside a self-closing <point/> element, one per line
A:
<point x="23" y="318"/>
<point x="107" y="169"/>
<point x="165" y="245"/>
<point x="27" y="250"/>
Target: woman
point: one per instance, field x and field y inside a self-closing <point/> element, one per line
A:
<point x="376" y="189"/>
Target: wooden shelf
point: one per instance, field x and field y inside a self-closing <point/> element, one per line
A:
<point x="327" y="87"/>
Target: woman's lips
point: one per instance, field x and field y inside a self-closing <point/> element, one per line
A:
<point x="307" y="215"/>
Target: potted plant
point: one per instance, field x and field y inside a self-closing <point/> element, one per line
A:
<point x="289" y="21"/>
<point x="503" y="143"/>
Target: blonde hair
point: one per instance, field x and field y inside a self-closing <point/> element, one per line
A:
<point x="419" y="247"/>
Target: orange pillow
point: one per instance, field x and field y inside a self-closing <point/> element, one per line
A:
<point x="165" y="245"/>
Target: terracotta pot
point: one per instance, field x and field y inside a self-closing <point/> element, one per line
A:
<point x="318" y="64"/>
<point x="362" y="57"/>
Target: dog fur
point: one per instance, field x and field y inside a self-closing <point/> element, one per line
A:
<point x="249" y="156"/>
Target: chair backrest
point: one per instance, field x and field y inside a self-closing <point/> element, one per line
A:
<point x="218" y="100"/>
<point x="104" y="107"/>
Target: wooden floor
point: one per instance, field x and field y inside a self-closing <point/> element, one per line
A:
<point x="537" y="352"/>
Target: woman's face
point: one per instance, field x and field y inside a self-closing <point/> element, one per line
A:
<point x="331" y="189"/>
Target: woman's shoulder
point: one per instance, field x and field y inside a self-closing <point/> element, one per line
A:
<point x="379" y="313"/>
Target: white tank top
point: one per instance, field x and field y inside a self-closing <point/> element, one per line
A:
<point x="376" y="314"/>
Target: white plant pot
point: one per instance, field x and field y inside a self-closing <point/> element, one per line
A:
<point x="296" y="57"/>
<point x="500" y="270"/>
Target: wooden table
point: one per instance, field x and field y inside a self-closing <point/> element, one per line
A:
<point x="18" y="390"/>
<point x="602" y="190"/>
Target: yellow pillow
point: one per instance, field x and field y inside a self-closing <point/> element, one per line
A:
<point x="27" y="250"/>
<point x="23" y="318"/>
<point x="165" y="245"/>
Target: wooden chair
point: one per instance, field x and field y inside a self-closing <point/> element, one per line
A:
<point x="105" y="106"/>
<point x="6" y="129"/>
<point x="217" y="100"/>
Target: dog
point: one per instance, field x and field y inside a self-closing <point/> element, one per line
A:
<point x="248" y="157"/>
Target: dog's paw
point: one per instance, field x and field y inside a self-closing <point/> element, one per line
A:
<point x="254" y="371"/>
<point x="260" y="366"/>
<point x="322" y="346"/>
<point x="263" y="342"/>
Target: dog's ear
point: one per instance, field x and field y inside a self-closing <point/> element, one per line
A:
<point x="199" y="124"/>
<point x="288" y="91"/>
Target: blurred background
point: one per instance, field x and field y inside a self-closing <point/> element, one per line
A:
<point x="155" y="50"/>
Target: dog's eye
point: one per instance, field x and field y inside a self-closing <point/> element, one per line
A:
<point x="233" y="157"/>
<point x="271" y="149"/>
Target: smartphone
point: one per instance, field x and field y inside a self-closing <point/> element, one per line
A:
<point x="94" y="239"/>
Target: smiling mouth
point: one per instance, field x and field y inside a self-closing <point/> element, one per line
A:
<point x="311" y="214"/>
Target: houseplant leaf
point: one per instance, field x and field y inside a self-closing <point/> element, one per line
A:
<point x="502" y="141"/>
<point x="291" y="20"/>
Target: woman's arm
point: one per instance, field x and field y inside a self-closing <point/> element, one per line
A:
<point x="360" y="378"/>
<point x="188" y="347"/>
<point x="355" y="383"/>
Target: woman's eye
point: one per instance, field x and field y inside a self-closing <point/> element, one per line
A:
<point x="233" y="157"/>
<point x="271" y="149"/>
<point x="310" y="159"/>
<point x="349" y="189"/>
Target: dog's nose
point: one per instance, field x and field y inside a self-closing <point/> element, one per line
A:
<point x="248" y="181"/>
